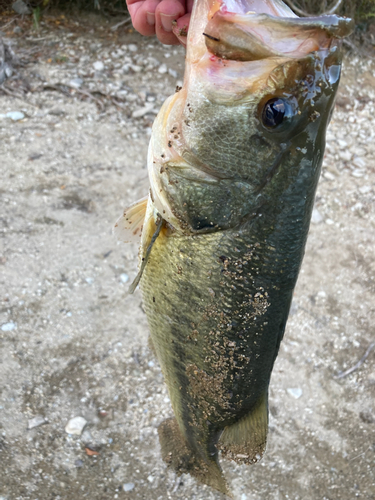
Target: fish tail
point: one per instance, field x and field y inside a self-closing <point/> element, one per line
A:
<point x="179" y="456"/>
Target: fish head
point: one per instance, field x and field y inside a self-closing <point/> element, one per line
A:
<point x="250" y="120"/>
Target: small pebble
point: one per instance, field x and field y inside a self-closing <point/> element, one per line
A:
<point x="316" y="216"/>
<point x="364" y="189"/>
<point x="128" y="486"/>
<point x="36" y="422"/>
<point x="56" y="112"/>
<point x="358" y="151"/>
<point x="162" y="69"/>
<point x="98" y="66"/>
<point x="342" y="144"/>
<point x="135" y="67"/>
<point x="330" y="222"/>
<point x="133" y="47"/>
<point x="8" y="327"/>
<point x="15" y="115"/>
<point x="357" y="173"/>
<point x="76" y="83"/>
<point x="345" y="155"/>
<point x="359" y="162"/>
<point x="131" y="97"/>
<point x="295" y="392"/>
<point x="173" y="72"/>
<point x="124" y="278"/>
<point x="329" y="176"/>
<point x="21" y="8"/>
<point x="75" y="426"/>
<point x="86" y="436"/>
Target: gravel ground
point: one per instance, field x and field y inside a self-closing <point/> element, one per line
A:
<point x="73" y="345"/>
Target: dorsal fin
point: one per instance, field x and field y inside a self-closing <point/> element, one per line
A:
<point x="128" y="228"/>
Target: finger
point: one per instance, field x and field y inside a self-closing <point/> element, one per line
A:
<point x="143" y="16"/>
<point x="181" y="28"/>
<point x="189" y="6"/>
<point x="166" y="13"/>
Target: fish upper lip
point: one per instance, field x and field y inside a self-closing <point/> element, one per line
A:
<point x="237" y="34"/>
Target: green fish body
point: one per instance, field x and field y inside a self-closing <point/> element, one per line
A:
<point x="234" y="162"/>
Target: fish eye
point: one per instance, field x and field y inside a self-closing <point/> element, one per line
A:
<point x="275" y="112"/>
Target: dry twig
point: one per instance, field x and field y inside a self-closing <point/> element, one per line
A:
<point x="306" y="14"/>
<point x="65" y="88"/>
<point x="122" y="23"/>
<point x="357" y="365"/>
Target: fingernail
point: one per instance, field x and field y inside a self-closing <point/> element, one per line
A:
<point x="166" y="22"/>
<point x="150" y="16"/>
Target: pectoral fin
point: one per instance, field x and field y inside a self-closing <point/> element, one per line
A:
<point x="128" y="227"/>
<point x="152" y="231"/>
<point x="245" y="441"/>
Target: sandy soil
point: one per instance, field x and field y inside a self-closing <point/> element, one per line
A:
<point x="72" y="344"/>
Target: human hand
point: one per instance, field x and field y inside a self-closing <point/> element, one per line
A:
<point x="168" y="19"/>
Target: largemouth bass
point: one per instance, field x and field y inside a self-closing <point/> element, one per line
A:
<point x="234" y="161"/>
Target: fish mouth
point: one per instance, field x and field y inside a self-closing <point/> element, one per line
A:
<point x="251" y="30"/>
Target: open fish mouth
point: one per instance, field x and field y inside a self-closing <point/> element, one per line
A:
<point x="251" y="30"/>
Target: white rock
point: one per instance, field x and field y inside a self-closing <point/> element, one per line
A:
<point x="75" y="426"/>
<point x="358" y="151"/>
<point x="133" y="47"/>
<point x="124" y="278"/>
<point x="342" y="144"/>
<point x="322" y="294"/>
<point x="295" y="392"/>
<point x="76" y="83"/>
<point x="36" y="422"/>
<point x="135" y="68"/>
<point x="8" y="327"/>
<point x="316" y="216"/>
<point x="15" y="115"/>
<point x="86" y="436"/>
<point x="173" y="72"/>
<point x="329" y="176"/>
<point x="330" y="222"/>
<point x="98" y="66"/>
<point x="345" y="155"/>
<point x="131" y="97"/>
<point x="162" y="69"/>
<point x="364" y="189"/>
<point x="357" y="206"/>
<point x="21" y="8"/>
<point x="357" y="173"/>
<point x="128" y="486"/>
<point x="150" y="479"/>
<point x="359" y="162"/>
